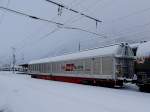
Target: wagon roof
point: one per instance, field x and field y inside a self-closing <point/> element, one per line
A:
<point x="105" y="51"/>
<point x="143" y="50"/>
<point x="135" y="45"/>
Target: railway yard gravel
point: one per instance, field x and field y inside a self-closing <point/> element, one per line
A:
<point x="20" y="93"/>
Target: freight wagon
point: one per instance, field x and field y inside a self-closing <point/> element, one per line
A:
<point x="105" y="66"/>
<point x="142" y="65"/>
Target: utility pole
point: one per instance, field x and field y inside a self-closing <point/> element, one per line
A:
<point x="13" y="59"/>
<point x="22" y="58"/>
<point x="79" y="47"/>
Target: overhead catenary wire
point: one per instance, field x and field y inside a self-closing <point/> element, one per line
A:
<point x="80" y="29"/>
<point x="39" y="29"/>
<point x="73" y="10"/>
<point x="79" y="16"/>
<point x="87" y="9"/>
<point x="46" y="20"/>
<point x="58" y="29"/>
<point x="3" y="14"/>
<point x="28" y="15"/>
<point x="66" y="27"/>
<point x="49" y="33"/>
<point x="46" y="35"/>
<point x="66" y="23"/>
<point x="27" y="37"/>
<point x="125" y="17"/>
<point x="42" y="37"/>
<point x="74" y="28"/>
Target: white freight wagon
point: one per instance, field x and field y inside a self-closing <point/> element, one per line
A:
<point x="108" y="65"/>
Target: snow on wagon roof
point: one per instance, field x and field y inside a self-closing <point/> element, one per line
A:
<point x="144" y="50"/>
<point x="135" y="45"/>
<point x="105" y="51"/>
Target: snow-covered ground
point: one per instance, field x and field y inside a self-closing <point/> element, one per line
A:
<point x="20" y="93"/>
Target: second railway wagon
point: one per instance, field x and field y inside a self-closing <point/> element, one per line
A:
<point x="142" y="66"/>
<point x="107" y="66"/>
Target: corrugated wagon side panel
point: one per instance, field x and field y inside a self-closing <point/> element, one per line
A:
<point x="107" y="66"/>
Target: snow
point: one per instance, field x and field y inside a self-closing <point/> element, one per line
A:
<point x="143" y="50"/>
<point x="20" y="93"/>
<point x="135" y="45"/>
<point x="111" y="50"/>
<point x="104" y="51"/>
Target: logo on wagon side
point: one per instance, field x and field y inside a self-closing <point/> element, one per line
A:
<point x="72" y="67"/>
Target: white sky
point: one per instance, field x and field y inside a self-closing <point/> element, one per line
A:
<point x="122" y="20"/>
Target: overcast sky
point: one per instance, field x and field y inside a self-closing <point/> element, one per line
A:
<point x="122" y="20"/>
